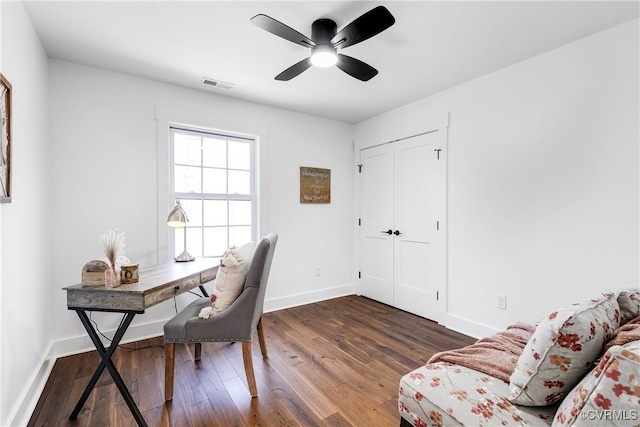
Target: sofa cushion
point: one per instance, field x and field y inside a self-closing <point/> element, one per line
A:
<point x="231" y="274"/>
<point x="609" y="394"/>
<point x="562" y="350"/>
<point x="443" y="393"/>
<point x="629" y="302"/>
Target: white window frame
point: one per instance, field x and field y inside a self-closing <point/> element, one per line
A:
<point x="174" y="240"/>
<point x="205" y="118"/>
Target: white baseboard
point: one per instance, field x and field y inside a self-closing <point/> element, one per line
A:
<point x="466" y="326"/>
<point x="82" y="343"/>
<point x="308" y="297"/>
<point x="31" y="393"/>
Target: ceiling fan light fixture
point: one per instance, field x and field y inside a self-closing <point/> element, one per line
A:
<point x="326" y="40"/>
<point x="324" y="56"/>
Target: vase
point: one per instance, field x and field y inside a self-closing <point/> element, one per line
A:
<point x="112" y="278"/>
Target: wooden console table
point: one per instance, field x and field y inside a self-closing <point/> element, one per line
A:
<point x="157" y="284"/>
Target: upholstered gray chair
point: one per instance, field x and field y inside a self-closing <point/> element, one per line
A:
<point x="237" y="323"/>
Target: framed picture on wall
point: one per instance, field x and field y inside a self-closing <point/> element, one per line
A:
<point x="5" y="154"/>
<point x="315" y="185"/>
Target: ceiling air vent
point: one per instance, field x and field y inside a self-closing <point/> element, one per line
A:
<point x="216" y="83"/>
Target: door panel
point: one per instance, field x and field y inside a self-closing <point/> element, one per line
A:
<point x="376" y="215"/>
<point x="415" y="264"/>
<point x="412" y="254"/>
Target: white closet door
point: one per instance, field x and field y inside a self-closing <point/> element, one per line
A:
<point x="376" y="216"/>
<point x="402" y="235"/>
<point x="419" y="253"/>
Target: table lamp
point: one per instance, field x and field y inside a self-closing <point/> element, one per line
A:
<point x="178" y="219"/>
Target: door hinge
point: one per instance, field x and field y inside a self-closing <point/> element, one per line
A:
<point x="359" y="221"/>
<point x="359" y="168"/>
<point x="438" y="225"/>
<point x="359" y="274"/>
<point x="438" y="150"/>
<point x="437" y="295"/>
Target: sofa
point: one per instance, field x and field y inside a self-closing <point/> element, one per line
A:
<point x="580" y="365"/>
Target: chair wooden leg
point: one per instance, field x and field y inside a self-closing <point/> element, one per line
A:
<point x="263" y="344"/>
<point x="248" y="368"/>
<point x="195" y="353"/>
<point x="169" y="366"/>
<point x="198" y="352"/>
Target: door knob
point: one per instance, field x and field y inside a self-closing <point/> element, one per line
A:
<point x="389" y="232"/>
<point x="397" y="232"/>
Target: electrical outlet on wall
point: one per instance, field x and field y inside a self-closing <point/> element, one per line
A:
<point x="501" y="300"/>
<point x="317" y="271"/>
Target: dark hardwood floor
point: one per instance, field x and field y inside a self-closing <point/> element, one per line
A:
<point x="332" y="363"/>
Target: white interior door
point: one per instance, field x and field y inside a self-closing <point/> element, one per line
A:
<point x="376" y="219"/>
<point x="402" y="243"/>
<point x="419" y="253"/>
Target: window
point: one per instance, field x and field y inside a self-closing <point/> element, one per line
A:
<point x="213" y="177"/>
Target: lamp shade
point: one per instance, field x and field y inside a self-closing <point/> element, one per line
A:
<point x="177" y="217"/>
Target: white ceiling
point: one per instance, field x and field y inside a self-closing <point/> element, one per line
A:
<point x="433" y="45"/>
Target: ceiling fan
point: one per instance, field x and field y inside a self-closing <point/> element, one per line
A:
<point x="326" y="40"/>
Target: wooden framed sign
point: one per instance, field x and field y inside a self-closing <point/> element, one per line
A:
<point x="315" y="185"/>
<point x="5" y="152"/>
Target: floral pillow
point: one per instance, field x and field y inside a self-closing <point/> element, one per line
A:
<point x="562" y="349"/>
<point x="614" y="385"/>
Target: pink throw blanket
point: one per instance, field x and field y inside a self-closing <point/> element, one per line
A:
<point x="628" y="332"/>
<point x="495" y="355"/>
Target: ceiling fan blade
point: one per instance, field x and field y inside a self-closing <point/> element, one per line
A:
<point x="356" y="68"/>
<point x="281" y="30"/>
<point x="366" y="26"/>
<point x="294" y="70"/>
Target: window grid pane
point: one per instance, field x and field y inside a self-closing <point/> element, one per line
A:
<point x="213" y="178"/>
<point x="214" y="153"/>
<point x="239" y="235"/>
<point x="215" y="181"/>
<point x="215" y="212"/>
<point x="187" y="179"/>
<point x="239" y="182"/>
<point x="239" y="213"/>
<point x="187" y="150"/>
<point x="239" y="155"/>
<point x="216" y="241"/>
<point x="193" y="208"/>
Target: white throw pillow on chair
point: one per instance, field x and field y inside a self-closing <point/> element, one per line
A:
<point x="231" y="274"/>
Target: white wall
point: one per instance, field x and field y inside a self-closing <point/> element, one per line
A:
<point x="105" y="170"/>
<point x="543" y="179"/>
<point x="25" y="244"/>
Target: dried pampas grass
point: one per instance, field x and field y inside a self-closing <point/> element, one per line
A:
<point x="113" y="245"/>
